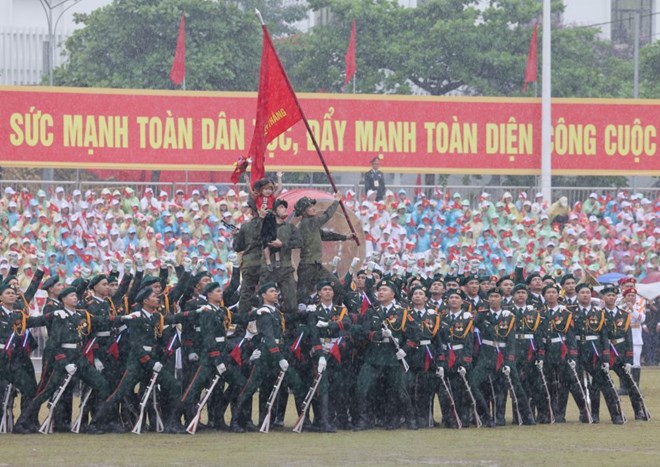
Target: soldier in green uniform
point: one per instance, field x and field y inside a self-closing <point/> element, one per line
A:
<point x="329" y="326"/>
<point x="144" y="327"/>
<point x="594" y="351"/>
<point x="535" y="289"/>
<point x="620" y="335"/>
<point x="214" y="320"/>
<point x="459" y="339"/>
<point x="530" y="350"/>
<point x="310" y="268"/>
<point x="423" y="340"/>
<point x="497" y="360"/>
<point x="384" y="323"/>
<point x="247" y="240"/>
<point x="561" y="354"/>
<point x="436" y="293"/>
<point x="268" y="358"/>
<point x="65" y="340"/>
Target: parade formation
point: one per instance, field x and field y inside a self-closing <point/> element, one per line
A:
<point x="370" y="349"/>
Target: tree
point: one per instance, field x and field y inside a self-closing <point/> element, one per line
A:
<point x="649" y="71"/>
<point x="131" y="43"/>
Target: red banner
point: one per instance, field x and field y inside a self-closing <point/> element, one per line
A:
<point x="176" y="130"/>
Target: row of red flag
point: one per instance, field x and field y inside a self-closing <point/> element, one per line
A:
<point x="277" y="105"/>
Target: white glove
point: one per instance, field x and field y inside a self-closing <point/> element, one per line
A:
<point x="98" y="365"/>
<point x="256" y="355"/>
<point x="128" y="265"/>
<point x="310" y="308"/>
<point x="114" y="264"/>
<point x="386" y="333"/>
<point x="322" y="364"/>
<point x="440" y="372"/>
<point x="539" y="364"/>
<point x="70" y="368"/>
<point x="187" y="264"/>
<point x="335" y="261"/>
<point x="354" y="263"/>
<point x="400" y="354"/>
<point x="605" y="367"/>
<point x="571" y="363"/>
<point x="85" y="273"/>
<point x="506" y="370"/>
<point x="371" y="266"/>
<point x="284" y="365"/>
<point x="197" y="267"/>
<point x="221" y="368"/>
<point x="462" y="371"/>
<point x="157" y="367"/>
<point x="302" y="307"/>
<point x="627" y="368"/>
<point x="60" y="314"/>
<point x="193" y="357"/>
<point x="462" y="262"/>
<point x="139" y="261"/>
<point x="321" y="324"/>
<point x="12" y="256"/>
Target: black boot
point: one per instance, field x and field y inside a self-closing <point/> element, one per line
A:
<point x="324" y="422"/>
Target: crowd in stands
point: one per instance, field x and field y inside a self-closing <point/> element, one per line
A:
<point x="87" y="233"/>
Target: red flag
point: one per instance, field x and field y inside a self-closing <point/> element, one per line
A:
<point x="365" y="305"/>
<point x="335" y="352"/>
<point x="418" y="185"/>
<point x="452" y="359"/>
<point x="236" y="355"/>
<point x="530" y="71"/>
<point x="351" y="67"/>
<point x="114" y="350"/>
<point x="178" y="71"/>
<point x="277" y="106"/>
<point x="500" y="360"/>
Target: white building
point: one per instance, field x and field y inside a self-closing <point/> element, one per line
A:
<point x="24" y="32"/>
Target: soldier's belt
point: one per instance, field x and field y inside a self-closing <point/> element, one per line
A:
<point x="198" y="329"/>
<point x="122" y="328"/>
<point x="384" y="340"/>
<point x="524" y="336"/>
<point x="103" y="334"/>
<point x="70" y="346"/>
<point x="593" y="337"/>
<point x="425" y="342"/>
<point x="220" y="339"/>
<point x="329" y="340"/>
<point x="493" y="344"/>
<point x="635" y="326"/>
<point x="554" y="340"/>
<point x="618" y="341"/>
<point x="277" y="341"/>
<point x="147" y="348"/>
<point x="457" y="347"/>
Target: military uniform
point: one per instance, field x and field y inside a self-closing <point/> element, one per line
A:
<point x="247" y="241"/>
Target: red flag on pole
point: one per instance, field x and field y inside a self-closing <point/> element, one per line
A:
<point x="351" y="67"/>
<point x="178" y="71"/>
<point x="530" y="72"/>
<point x="277" y="107"/>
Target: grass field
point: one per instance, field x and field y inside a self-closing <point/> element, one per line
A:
<point x="636" y="443"/>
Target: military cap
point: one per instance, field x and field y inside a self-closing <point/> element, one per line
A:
<point x="147" y="281"/>
<point x="48" y="283"/>
<point x="199" y="276"/>
<point x="66" y="291"/>
<point x="548" y="277"/>
<point x="566" y="277"/>
<point x="96" y="279"/>
<point x="210" y="287"/>
<point x="609" y="288"/>
<point x="502" y="279"/>
<point x="9" y="278"/>
<point x="581" y="286"/>
<point x="495" y="290"/>
<point x="484" y="279"/>
<point x="451" y="278"/>
<point x="302" y="204"/>
<point x="268" y="285"/>
<point x="458" y="292"/>
<point x="531" y="276"/>
<point x="143" y="294"/>
<point x="4" y="286"/>
<point x="280" y="202"/>
<point x="520" y="286"/>
<point x="550" y="286"/>
<point x="472" y="277"/>
<point x="361" y="272"/>
<point x="79" y="283"/>
<point x="389" y="284"/>
<point x="323" y="283"/>
<point x="113" y="278"/>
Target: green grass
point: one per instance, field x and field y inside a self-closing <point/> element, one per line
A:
<point x="573" y="443"/>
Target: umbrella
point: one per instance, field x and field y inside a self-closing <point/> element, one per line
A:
<point x="651" y="278"/>
<point x="610" y="278"/>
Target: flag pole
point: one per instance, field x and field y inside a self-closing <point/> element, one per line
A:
<point x="310" y="133"/>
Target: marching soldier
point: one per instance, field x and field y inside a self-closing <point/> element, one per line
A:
<point x="560" y="356"/>
<point x="594" y="351"/>
<point x="66" y="343"/>
<point x="621" y="346"/>
<point x="384" y="324"/>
